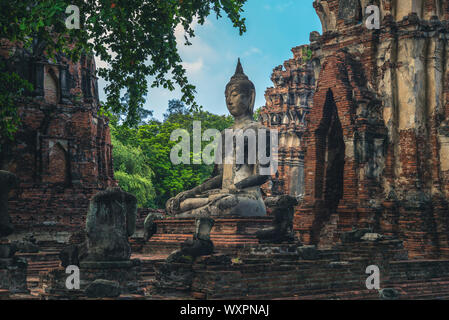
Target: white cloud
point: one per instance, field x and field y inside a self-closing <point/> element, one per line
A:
<point x="198" y="49"/>
<point x="251" y="51"/>
<point x="278" y="7"/>
<point x="199" y="57"/>
<point x="180" y="33"/>
<point x="193" y="67"/>
<point x="100" y="63"/>
<point x="282" y="7"/>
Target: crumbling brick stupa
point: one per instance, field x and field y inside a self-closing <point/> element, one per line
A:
<point x="287" y="104"/>
<point x="62" y="153"/>
<point x="377" y="138"/>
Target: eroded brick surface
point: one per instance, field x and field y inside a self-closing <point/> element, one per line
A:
<point x="288" y="103"/>
<point x="376" y="144"/>
<point x="62" y="153"/>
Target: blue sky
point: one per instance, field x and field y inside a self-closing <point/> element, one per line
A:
<point x="273" y="28"/>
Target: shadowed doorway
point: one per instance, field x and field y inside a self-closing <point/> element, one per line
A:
<point x="330" y="156"/>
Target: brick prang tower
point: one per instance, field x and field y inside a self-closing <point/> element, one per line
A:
<point x="287" y="104"/>
<point x="62" y="152"/>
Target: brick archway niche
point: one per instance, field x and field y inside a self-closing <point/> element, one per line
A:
<point x="330" y="160"/>
<point x="343" y="124"/>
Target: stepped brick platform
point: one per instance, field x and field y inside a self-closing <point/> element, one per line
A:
<point x="255" y="271"/>
<point x="330" y="274"/>
<point x="52" y="283"/>
<point x="4" y="294"/>
<point x="228" y="234"/>
<point x="41" y="262"/>
<point x="126" y="273"/>
<point x="147" y="272"/>
<point x="285" y="271"/>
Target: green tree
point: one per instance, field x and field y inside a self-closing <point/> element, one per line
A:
<point x="136" y="38"/>
<point x="133" y="173"/>
<point x="257" y="114"/>
<point x="175" y="107"/>
<point x="11" y="86"/>
<point x="154" y="140"/>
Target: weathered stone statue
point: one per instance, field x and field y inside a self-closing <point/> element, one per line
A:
<point x="200" y="245"/>
<point x="283" y="212"/>
<point x="177" y="271"/>
<point x="110" y="221"/>
<point x="13" y="270"/>
<point x="234" y="189"/>
<point x="104" y="255"/>
<point x="7" y="182"/>
<point x="149" y="226"/>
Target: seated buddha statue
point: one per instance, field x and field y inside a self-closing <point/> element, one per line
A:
<point x="234" y="189"/>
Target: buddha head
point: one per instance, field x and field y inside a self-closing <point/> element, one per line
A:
<point x="240" y="94"/>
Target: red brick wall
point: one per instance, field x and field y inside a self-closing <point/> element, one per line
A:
<point x="62" y="153"/>
<point x="393" y="179"/>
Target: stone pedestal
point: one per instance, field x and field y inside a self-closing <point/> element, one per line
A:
<point x="229" y="234"/>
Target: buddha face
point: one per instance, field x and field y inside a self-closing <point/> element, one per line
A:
<point x="239" y="100"/>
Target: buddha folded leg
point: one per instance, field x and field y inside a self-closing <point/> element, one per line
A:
<point x="244" y="204"/>
<point x="224" y="204"/>
<point x="194" y="203"/>
<point x="199" y="207"/>
<point x="188" y="200"/>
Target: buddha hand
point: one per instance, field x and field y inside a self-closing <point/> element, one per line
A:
<point x="174" y="204"/>
<point x="232" y="189"/>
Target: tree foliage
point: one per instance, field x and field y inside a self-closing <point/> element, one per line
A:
<point x="153" y="138"/>
<point x="135" y="38"/>
<point x="256" y="114"/>
<point x="175" y="107"/>
<point x="133" y="173"/>
<point x="11" y="86"/>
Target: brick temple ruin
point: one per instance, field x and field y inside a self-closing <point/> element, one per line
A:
<point x="62" y="153"/>
<point x="377" y="140"/>
<point x="363" y="117"/>
<point x="288" y="104"/>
